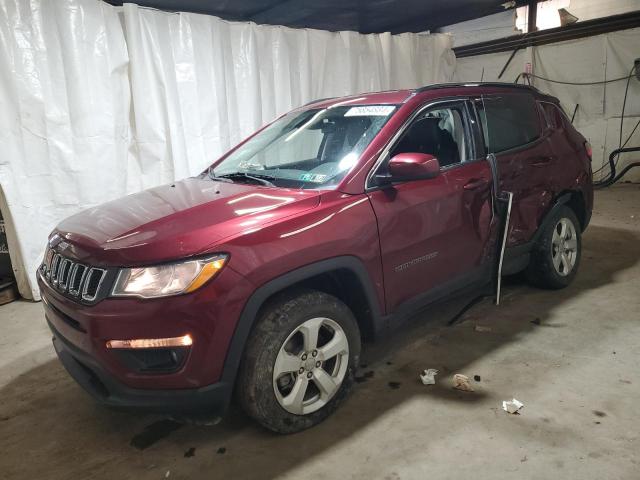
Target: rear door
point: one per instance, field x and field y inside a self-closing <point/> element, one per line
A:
<point x="434" y="234"/>
<point x="513" y="131"/>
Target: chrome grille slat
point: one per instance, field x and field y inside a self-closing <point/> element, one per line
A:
<point x="75" y="288"/>
<point x="79" y="281"/>
<point x="55" y="264"/>
<point x="63" y="273"/>
<point x="90" y="293"/>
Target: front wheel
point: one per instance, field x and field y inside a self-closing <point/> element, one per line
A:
<point x="299" y="362"/>
<point x="556" y="255"/>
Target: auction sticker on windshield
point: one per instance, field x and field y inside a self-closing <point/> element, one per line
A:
<point x="370" y="110"/>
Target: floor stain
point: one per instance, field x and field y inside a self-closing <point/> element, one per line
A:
<point x="190" y="453"/>
<point x="154" y="432"/>
<point x="366" y="376"/>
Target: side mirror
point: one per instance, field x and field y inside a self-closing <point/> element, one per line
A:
<point x="411" y="166"/>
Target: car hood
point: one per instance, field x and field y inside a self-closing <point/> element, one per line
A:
<point x="176" y="220"/>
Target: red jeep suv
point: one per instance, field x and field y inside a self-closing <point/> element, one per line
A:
<point x="333" y="223"/>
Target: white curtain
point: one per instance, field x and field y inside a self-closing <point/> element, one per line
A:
<point x="98" y="101"/>
<point x="201" y="84"/>
<point x="64" y="119"/>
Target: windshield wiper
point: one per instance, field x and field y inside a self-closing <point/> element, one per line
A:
<point x="262" y="179"/>
<point x="213" y="176"/>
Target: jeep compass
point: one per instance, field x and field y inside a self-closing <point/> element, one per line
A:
<point x="258" y="278"/>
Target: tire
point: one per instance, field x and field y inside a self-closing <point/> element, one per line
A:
<point x="269" y="376"/>
<point x="548" y="268"/>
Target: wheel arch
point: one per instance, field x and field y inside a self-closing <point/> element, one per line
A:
<point x="574" y="199"/>
<point x="578" y="204"/>
<point x="345" y="277"/>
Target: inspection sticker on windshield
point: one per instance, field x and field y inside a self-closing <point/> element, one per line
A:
<point x="313" y="177"/>
<point x="370" y="110"/>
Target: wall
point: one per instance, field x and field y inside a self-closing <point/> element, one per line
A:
<point x="483" y="29"/>
<point x="98" y="101"/>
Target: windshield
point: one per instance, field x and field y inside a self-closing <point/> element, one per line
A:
<point x="309" y="149"/>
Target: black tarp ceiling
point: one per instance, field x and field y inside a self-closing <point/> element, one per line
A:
<point x="373" y="16"/>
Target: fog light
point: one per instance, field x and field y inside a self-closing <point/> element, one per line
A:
<point x="183" y="341"/>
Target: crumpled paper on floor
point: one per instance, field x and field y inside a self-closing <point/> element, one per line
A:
<point x="512" y="406"/>
<point x="461" y="382"/>
<point x="428" y="377"/>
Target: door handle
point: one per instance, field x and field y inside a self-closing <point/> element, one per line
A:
<point x="475" y="183"/>
<point x="541" y="161"/>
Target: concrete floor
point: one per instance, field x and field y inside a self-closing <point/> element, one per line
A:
<point x="571" y="356"/>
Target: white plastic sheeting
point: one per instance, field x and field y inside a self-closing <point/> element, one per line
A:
<point x="201" y="84"/>
<point x="64" y="118"/>
<point x="591" y="59"/>
<point x="98" y="101"/>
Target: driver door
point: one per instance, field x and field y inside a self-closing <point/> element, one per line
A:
<point x="435" y="233"/>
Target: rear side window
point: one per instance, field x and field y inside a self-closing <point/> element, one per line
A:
<point x="508" y="121"/>
<point x="553" y="115"/>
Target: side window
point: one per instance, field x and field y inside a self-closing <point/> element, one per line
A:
<point x="553" y="115"/>
<point x="508" y="121"/>
<point x="439" y="131"/>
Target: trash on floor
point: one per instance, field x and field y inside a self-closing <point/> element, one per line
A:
<point x="512" y="406"/>
<point x="482" y="328"/>
<point x="428" y="377"/>
<point x="461" y="382"/>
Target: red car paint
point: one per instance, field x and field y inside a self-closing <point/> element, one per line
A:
<point x="409" y="238"/>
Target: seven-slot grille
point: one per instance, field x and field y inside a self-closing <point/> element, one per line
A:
<point x="72" y="278"/>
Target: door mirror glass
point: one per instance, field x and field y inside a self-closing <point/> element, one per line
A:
<point x="413" y="166"/>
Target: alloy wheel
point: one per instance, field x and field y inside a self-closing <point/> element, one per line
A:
<point x="564" y="247"/>
<point x="310" y="366"/>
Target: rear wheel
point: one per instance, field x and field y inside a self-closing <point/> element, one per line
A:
<point x="299" y="362"/>
<point x="556" y="256"/>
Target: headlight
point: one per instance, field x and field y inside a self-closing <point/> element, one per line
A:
<point x="168" y="279"/>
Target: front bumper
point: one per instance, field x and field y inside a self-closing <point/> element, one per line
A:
<point x="212" y="399"/>
<point x="203" y="381"/>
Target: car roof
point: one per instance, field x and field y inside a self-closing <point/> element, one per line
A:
<point x="401" y="96"/>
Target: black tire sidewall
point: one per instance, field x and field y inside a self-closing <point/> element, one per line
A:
<point x="255" y="383"/>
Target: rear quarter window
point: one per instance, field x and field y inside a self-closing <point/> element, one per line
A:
<point x="509" y="121"/>
<point x="553" y="115"/>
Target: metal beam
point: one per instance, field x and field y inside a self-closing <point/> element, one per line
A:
<point x="543" y="37"/>
<point x="532" y="16"/>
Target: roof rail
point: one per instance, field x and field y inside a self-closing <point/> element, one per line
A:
<point x="475" y="84"/>
<point x="318" y="100"/>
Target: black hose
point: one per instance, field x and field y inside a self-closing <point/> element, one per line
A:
<point x="613" y="178"/>
<point x="562" y="82"/>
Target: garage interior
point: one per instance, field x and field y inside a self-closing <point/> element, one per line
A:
<point x="103" y="99"/>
